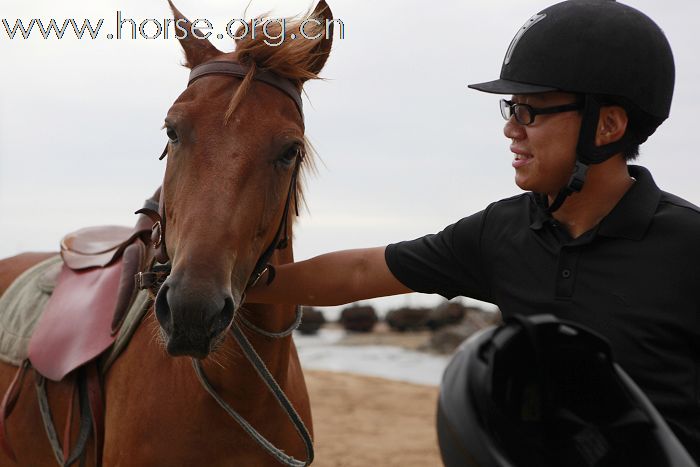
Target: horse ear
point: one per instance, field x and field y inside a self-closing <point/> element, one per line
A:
<point x="320" y="52"/>
<point x="197" y="51"/>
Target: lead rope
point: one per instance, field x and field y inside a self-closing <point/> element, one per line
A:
<point x="272" y="335"/>
<point x="257" y="362"/>
<point x="275" y="389"/>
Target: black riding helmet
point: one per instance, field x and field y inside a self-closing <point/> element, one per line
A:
<point x="543" y="392"/>
<point x="606" y="51"/>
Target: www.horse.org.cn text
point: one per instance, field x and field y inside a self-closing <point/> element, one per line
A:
<point x="273" y="29"/>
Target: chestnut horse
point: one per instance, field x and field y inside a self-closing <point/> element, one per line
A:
<point x="229" y="193"/>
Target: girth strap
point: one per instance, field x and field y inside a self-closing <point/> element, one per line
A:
<point x="85" y="419"/>
<point x="91" y="414"/>
<point x="95" y="398"/>
<point x="8" y="404"/>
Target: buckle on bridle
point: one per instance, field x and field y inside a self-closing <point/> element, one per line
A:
<point x="578" y="177"/>
<point x="270" y="269"/>
<point x="148" y="279"/>
<point x="157" y="235"/>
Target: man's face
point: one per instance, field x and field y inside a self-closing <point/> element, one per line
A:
<point x="545" y="150"/>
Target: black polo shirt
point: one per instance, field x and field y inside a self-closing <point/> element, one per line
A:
<point x="634" y="278"/>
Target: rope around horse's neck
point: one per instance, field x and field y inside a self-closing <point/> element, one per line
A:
<point x="276" y="390"/>
<point x="272" y="335"/>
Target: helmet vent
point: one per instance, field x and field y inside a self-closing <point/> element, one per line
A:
<point x="534" y="19"/>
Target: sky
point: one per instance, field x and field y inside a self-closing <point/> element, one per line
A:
<point x="405" y="148"/>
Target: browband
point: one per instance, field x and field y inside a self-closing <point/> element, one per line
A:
<point x="238" y="70"/>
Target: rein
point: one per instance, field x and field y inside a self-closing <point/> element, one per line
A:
<point x="280" y="241"/>
<point x="274" y="388"/>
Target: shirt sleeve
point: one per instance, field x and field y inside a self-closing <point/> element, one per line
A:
<point x="446" y="263"/>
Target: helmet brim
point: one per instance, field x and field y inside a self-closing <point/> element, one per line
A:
<point x="504" y="86"/>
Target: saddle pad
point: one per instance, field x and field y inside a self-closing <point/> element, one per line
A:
<point x="21" y="306"/>
<point x="76" y="323"/>
<point x="142" y="304"/>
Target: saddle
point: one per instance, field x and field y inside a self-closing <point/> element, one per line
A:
<point x="96" y="247"/>
<point x="94" y="290"/>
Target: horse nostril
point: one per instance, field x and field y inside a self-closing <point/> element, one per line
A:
<point x="163" y="310"/>
<point x="223" y="319"/>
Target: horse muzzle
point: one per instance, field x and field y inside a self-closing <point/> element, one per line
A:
<point x="193" y="317"/>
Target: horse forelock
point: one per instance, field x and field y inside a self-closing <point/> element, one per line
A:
<point x="294" y="60"/>
<point x="291" y="59"/>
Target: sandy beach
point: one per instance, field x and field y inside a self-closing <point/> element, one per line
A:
<point x="367" y="421"/>
<point x="373" y="397"/>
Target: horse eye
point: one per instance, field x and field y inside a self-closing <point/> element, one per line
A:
<point x="290" y="154"/>
<point x="172" y="134"/>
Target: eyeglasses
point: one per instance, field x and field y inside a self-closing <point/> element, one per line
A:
<point x="525" y="114"/>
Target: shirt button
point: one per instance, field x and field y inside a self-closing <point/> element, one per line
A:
<point x="566" y="273"/>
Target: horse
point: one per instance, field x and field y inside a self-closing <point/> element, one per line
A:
<point x="183" y="391"/>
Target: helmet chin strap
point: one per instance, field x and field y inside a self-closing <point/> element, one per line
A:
<point x="587" y="153"/>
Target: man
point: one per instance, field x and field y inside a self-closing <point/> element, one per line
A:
<point x="593" y="239"/>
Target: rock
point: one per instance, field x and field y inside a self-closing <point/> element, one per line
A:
<point x="407" y="319"/>
<point x="358" y="318"/>
<point x="447" y="339"/>
<point x="446" y="314"/>
<point x="311" y="320"/>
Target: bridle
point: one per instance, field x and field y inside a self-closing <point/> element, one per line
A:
<point x="160" y="271"/>
<point x="241" y="71"/>
<point x="281" y="238"/>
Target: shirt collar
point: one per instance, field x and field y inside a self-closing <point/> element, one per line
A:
<point x="538" y="214"/>
<point x="630" y="218"/>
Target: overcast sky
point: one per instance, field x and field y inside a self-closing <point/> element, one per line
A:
<point x="406" y="148"/>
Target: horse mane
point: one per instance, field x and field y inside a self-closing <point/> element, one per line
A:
<point x="291" y="59"/>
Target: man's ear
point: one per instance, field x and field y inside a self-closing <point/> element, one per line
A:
<point x="197" y="51"/>
<point x="612" y="124"/>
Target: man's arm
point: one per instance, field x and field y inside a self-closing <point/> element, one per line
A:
<point x="331" y="279"/>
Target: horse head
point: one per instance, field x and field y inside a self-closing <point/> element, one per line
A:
<point x="236" y="143"/>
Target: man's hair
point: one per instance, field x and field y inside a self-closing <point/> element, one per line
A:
<point x="631" y="153"/>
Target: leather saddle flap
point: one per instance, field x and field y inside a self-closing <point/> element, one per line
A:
<point x="96" y="246"/>
<point x="75" y="326"/>
<point x="95" y="240"/>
